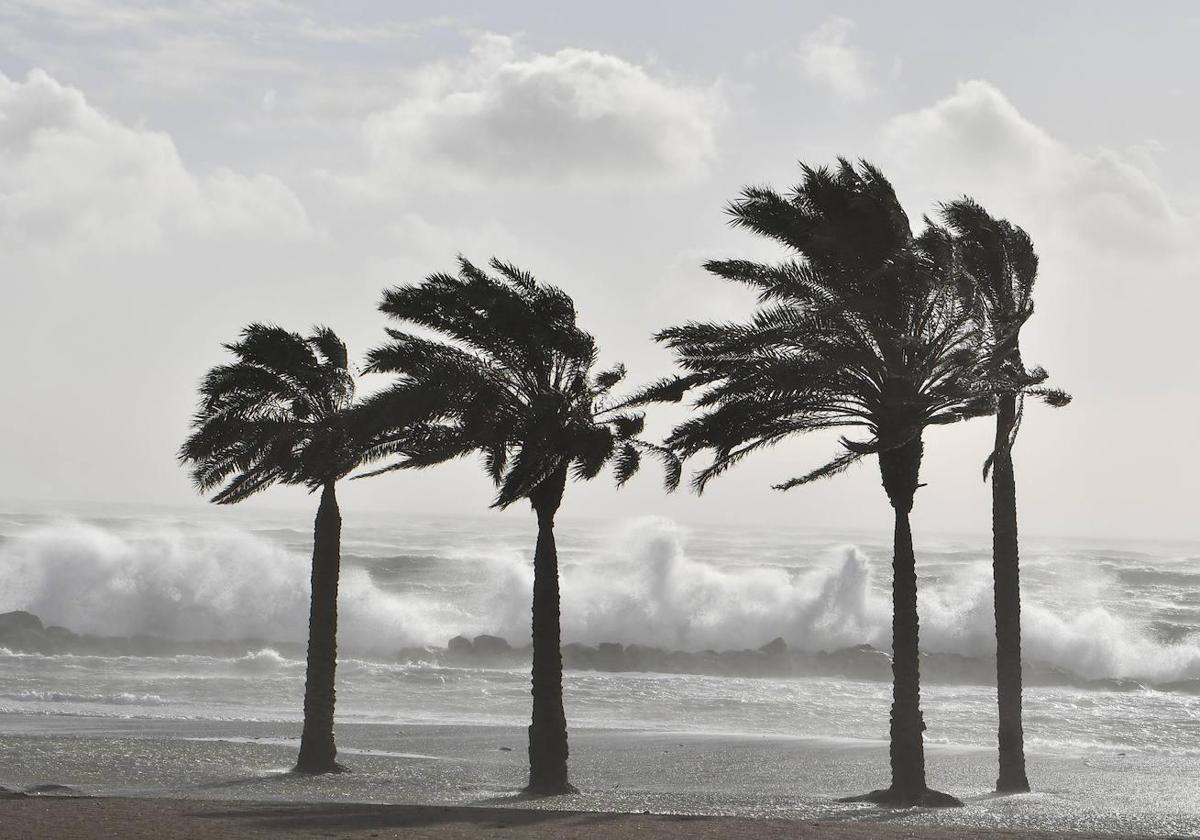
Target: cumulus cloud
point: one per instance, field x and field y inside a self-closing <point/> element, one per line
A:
<point x="574" y="115"/>
<point x="827" y="57"/>
<point x="70" y="174"/>
<point x="1114" y="245"/>
<point x="976" y="141"/>
<point x="1115" y="298"/>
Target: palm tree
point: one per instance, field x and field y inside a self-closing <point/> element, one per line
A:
<point x="1000" y="260"/>
<point x="862" y="329"/>
<point x="280" y="414"/>
<point x="516" y="381"/>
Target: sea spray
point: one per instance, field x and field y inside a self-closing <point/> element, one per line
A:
<point x="640" y="583"/>
<point x="644" y="588"/>
<point x="181" y="583"/>
<point x="154" y="580"/>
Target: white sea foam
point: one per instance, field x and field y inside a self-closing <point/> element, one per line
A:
<point x="121" y="698"/>
<point x="156" y="580"/>
<point x="639" y="586"/>
<point x="183" y="584"/>
<point x="646" y="589"/>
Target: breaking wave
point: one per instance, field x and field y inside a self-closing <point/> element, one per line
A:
<point x="118" y="699"/>
<point x="640" y="586"/>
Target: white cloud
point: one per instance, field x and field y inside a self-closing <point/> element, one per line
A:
<point x="827" y="56"/>
<point x="70" y="174"/>
<point x="1116" y="297"/>
<point x="975" y="141"/>
<point x="574" y="115"/>
<point x="1114" y="246"/>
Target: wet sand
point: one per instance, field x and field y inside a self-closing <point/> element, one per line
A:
<point x="166" y="819"/>
<point x="475" y="770"/>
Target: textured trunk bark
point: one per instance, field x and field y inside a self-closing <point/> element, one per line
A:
<point x="907" y="725"/>
<point x="1007" y="578"/>
<point x="899" y="467"/>
<point x="318" y="754"/>
<point x="548" y="729"/>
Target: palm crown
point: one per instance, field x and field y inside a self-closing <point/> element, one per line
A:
<point x="999" y="261"/>
<point x="865" y="328"/>
<point x="278" y="413"/>
<point x="514" y="379"/>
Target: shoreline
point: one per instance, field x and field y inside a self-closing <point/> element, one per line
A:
<point x="25" y="633"/>
<point x="795" y="781"/>
<point x="84" y="818"/>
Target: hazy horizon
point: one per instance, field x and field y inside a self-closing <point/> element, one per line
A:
<point x="172" y="173"/>
<point x="257" y="513"/>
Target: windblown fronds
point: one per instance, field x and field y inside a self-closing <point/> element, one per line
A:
<point x="865" y="327"/>
<point x="511" y="375"/>
<point x="277" y="413"/>
<point x="1000" y="265"/>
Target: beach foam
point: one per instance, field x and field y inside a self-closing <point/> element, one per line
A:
<point x="639" y="585"/>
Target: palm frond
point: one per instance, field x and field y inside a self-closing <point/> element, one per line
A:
<point x="864" y="326"/>
<point x="279" y="413"/>
<point x="509" y="369"/>
<point x="839" y="464"/>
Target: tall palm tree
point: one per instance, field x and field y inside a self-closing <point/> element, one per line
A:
<point x="516" y="381"/>
<point x="1000" y="261"/>
<point x="863" y="328"/>
<point x="280" y="413"/>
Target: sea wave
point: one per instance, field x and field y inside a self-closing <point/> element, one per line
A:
<point x="122" y="698"/>
<point x="639" y="586"/>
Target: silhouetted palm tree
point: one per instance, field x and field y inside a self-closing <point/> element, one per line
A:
<point x="864" y="330"/>
<point x="1000" y="260"/>
<point x="515" y="381"/>
<point x="280" y="413"/>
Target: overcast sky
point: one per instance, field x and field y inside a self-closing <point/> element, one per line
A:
<point x="171" y="172"/>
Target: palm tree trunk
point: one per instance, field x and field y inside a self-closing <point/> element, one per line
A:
<point x="318" y="754"/>
<point x="548" y="730"/>
<point x="899" y="467"/>
<point x="907" y="749"/>
<point x="1007" y="578"/>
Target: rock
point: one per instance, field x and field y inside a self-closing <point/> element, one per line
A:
<point x="19" y="620"/>
<point x="416" y="654"/>
<point x="610" y="656"/>
<point x="23" y="631"/>
<point x="490" y="646"/>
<point x="647" y="658"/>
<point x="859" y="662"/>
<point x="578" y="656"/>
<point x="637" y="658"/>
<point x="748" y="663"/>
<point x="680" y="662"/>
<point x="775" y="647"/>
<point x="460" y="646"/>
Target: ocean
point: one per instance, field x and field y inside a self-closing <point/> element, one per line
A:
<point x="205" y="699"/>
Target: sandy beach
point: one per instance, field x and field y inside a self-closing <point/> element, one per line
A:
<point x="128" y="773"/>
<point x="164" y="819"/>
<point x="143" y="733"/>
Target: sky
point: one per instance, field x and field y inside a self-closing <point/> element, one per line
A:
<point x="170" y="172"/>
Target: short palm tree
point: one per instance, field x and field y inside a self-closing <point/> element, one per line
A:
<point x="1000" y="262"/>
<point x="862" y="329"/>
<point x="515" y="379"/>
<point x="280" y="413"/>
